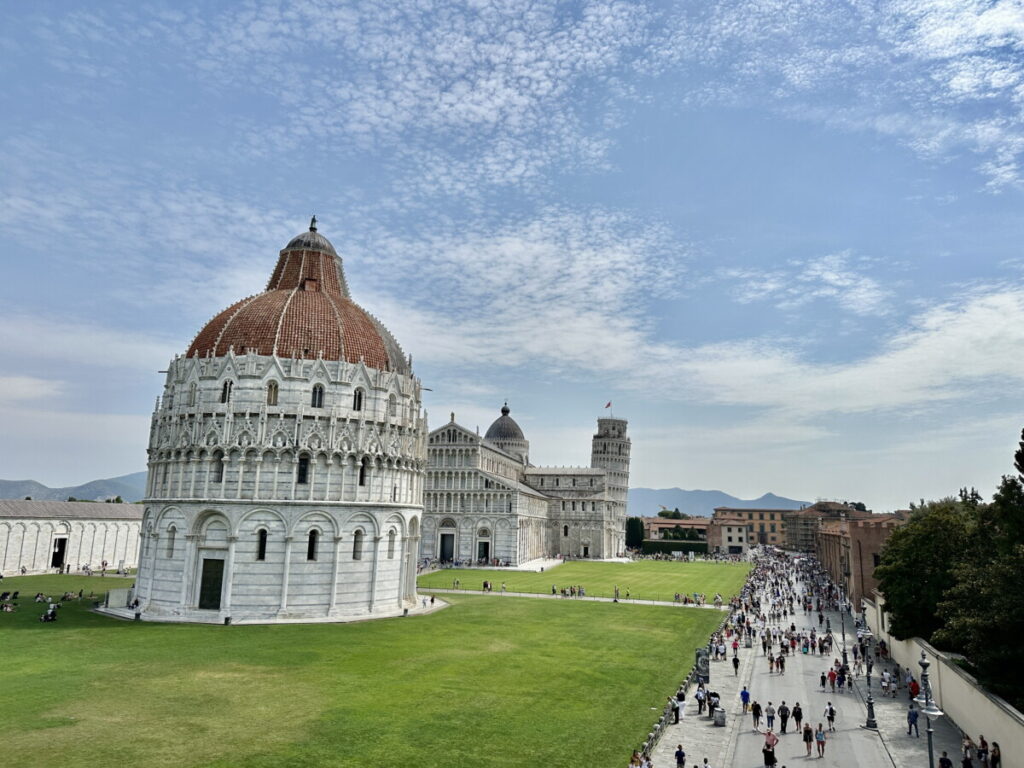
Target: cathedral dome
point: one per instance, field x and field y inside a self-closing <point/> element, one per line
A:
<point x="504" y="427"/>
<point x="306" y="312"/>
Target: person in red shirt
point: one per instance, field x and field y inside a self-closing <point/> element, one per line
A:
<point x="914" y="689"/>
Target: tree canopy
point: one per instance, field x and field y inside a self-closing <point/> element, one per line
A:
<point x="916" y="567"/>
<point x="634" y="532"/>
<point x="951" y="575"/>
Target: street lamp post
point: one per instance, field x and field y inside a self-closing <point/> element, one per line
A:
<point x="928" y="708"/>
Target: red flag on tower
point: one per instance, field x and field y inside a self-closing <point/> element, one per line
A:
<point x="609" y="404"/>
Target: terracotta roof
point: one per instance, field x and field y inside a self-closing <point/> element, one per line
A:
<point x="13" y="508"/>
<point x="305" y="312"/>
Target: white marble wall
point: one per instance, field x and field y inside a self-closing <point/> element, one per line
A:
<point x="286" y="583"/>
<point x="29" y="542"/>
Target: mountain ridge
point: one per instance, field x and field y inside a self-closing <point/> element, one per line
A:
<point x="643" y="502"/>
<point x="130" y="488"/>
<point x="647" y="502"/>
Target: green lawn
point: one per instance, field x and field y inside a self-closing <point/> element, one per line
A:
<point x="645" y="579"/>
<point x="486" y="682"/>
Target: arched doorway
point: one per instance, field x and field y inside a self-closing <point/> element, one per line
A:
<point x="483" y="545"/>
<point x="446" y="541"/>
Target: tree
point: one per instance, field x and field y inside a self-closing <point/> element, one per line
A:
<point x="982" y="613"/>
<point x="673" y="514"/>
<point x="1018" y="457"/>
<point x="917" y="564"/>
<point x="634" y="532"/>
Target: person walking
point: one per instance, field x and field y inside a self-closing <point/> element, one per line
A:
<point x="823" y="680"/>
<point x="808" y="736"/>
<point x="745" y="699"/>
<point x="798" y="715"/>
<point x="736" y="665"/>
<point x="995" y="757"/>
<point x="783" y="717"/>
<point x="819" y="739"/>
<point x="769" y="715"/>
<point x="755" y="715"/>
<point x="830" y="715"/>
<point x="912" y="715"/>
<point x="680" y="757"/>
<point x="944" y="761"/>
<point x="674" y="708"/>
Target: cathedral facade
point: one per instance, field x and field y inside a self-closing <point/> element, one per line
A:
<point x="484" y="502"/>
<point x="286" y="460"/>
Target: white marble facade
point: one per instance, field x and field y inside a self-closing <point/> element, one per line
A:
<point x="484" y="501"/>
<point x="44" y="536"/>
<point x="285" y="487"/>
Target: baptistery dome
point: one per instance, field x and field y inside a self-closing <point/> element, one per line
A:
<point x="286" y="460"/>
<point x="306" y="311"/>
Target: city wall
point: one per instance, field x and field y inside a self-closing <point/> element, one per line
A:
<point x="956" y="693"/>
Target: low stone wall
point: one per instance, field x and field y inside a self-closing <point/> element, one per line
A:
<point x="958" y="694"/>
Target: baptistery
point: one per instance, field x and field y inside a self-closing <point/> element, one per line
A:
<point x="286" y="460"/>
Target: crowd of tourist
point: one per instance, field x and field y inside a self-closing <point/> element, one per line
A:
<point x="780" y="589"/>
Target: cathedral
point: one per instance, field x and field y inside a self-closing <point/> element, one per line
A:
<point x="485" y="503"/>
<point x="286" y="460"/>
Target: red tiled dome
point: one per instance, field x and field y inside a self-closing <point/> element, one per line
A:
<point x="305" y="312"/>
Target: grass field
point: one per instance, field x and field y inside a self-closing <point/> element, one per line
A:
<point x="485" y="682"/>
<point x="645" y="579"/>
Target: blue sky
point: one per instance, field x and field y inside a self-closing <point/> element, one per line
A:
<point x="783" y="237"/>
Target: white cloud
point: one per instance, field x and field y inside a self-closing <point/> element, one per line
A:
<point x="35" y="338"/>
<point x="834" y="278"/>
<point x="16" y="388"/>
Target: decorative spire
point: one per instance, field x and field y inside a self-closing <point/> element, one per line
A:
<point x="312" y="224"/>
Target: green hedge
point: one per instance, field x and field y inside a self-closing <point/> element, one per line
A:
<point x="651" y="547"/>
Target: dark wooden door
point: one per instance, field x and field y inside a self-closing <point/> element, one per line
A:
<point x="447" y="547"/>
<point x="211" y="584"/>
<point x="60" y="547"/>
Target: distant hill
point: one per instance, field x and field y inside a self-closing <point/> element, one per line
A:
<point x="647" y="502"/>
<point x="129" y="487"/>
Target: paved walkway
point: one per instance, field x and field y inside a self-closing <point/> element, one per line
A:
<point x="891" y="714"/>
<point x="851" y="745"/>
<point x="549" y="596"/>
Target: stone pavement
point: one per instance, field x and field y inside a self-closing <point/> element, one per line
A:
<point x="850" y="746"/>
<point x="699" y="735"/>
<point x="891" y="714"/>
<point x="549" y="596"/>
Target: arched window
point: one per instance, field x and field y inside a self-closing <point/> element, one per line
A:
<point x="170" y="540"/>
<point x="392" y="406"/>
<point x="317" y="401"/>
<point x="225" y="391"/>
<point x="261" y="545"/>
<point x="391" y="544"/>
<point x="192" y="394"/>
<point x="357" y="545"/>
<point x="314" y="537"/>
<point x="302" y="470"/>
<point x="565" y="530"/>
<point x="272" y="393"/>
<point x="357" y="400"/>
<point x="362" y="470"/>
<point x="218" y="467"/>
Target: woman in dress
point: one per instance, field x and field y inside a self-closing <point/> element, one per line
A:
<point x="808" y="736"/>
